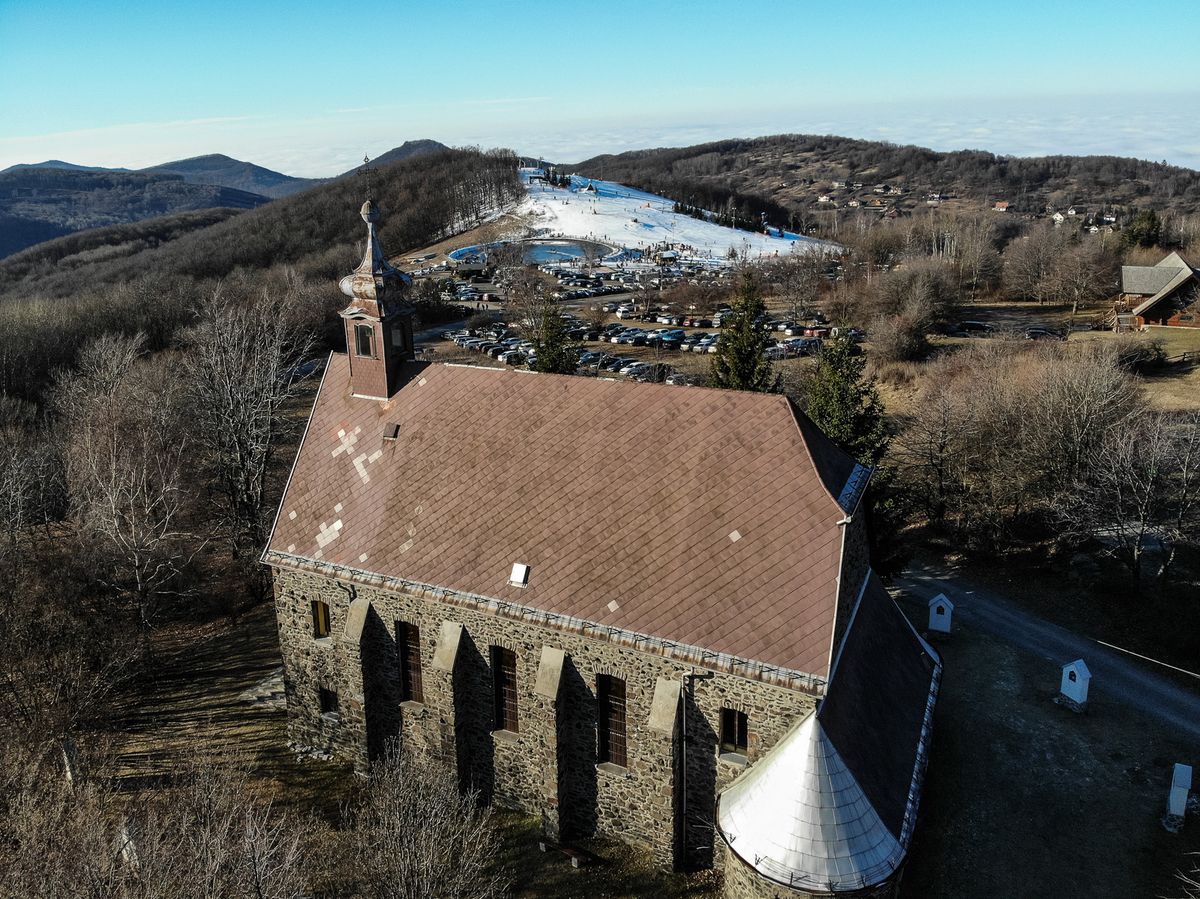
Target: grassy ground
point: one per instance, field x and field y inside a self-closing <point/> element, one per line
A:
<point x="1026" y="799"/>
<point x="194" y="703"/>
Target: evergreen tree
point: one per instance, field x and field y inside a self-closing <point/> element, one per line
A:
<point x="845" y="404"/>
<point x="1144" y="231"/>
<point x="740" y="363"/>
<point x="556" y="353"/>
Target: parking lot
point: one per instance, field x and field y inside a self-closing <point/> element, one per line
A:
<point x="622" y="318"/>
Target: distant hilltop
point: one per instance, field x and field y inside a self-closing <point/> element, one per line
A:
<point x="45" y="200"/>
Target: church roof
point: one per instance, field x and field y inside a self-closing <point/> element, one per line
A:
<point x="832" y="806"/>
<point x="706" y="517"/>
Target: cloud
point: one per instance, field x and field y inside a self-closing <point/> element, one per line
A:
<point x="325" y="143"/>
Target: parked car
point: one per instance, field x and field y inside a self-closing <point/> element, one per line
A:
<point x="1039" y="333"/>
<point x="975" y="329"/>
<point x="653" y="373"/>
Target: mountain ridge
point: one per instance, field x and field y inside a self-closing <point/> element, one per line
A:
<point x="44" y="201"/>
<point x="786" y="176"/>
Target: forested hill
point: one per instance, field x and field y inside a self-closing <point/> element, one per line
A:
<point x="319" y="232"/>
<point x="38" y="204"/>
<point x="790" y="172"/>
<point x="225" y="171"/>
<point x="43" y="201"/>
<point x="406" y="150"/>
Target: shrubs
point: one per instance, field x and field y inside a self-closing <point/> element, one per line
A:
<point x="414" y="834"/>
<point x="898" y="338"/>
<point x="998" y="437"/>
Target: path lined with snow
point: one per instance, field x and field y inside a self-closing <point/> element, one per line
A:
<point x="624" y="217"/>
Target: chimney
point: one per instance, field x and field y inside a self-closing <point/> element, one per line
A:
<point x="378" y="321"/>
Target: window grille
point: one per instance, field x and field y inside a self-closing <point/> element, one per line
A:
<point x="610" y="720"/>
<point x="504" y="677"/>
<point x="408" y="638"/>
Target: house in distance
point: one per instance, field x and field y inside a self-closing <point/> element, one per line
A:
<point x="637" y="611"/>
<point x="1162" y="294"/>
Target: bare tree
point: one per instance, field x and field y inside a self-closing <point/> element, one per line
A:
<point x="1084" y="274"/>
<point x="1030" y="264"/>
<point x="58" y="837"/>
<point x="414" y="834"/>
<point x="796" y="278"/>
<point x="125" y="469"/>
<point x="1081" y="397"/>
<point x="209" y="837"/>
<point x="976" y="257"/>
<point x="1191" y="880"/>
<point x="1182" y="523"/>
<point x="1125" y="494"/>
<point x="934" y="447"/>
<point x="203" y="838"/>
<point x="243" y="368"/>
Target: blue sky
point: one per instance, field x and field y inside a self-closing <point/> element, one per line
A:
<point x="308" y="87"/>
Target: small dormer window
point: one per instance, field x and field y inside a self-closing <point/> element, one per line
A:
<point x="364" y="340"/>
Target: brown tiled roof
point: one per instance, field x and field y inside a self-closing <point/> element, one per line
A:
<point x="689" y="514"/>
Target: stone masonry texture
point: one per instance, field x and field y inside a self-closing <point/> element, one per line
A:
<point x="662" y="800"/>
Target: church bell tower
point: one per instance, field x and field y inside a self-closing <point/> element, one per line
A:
<point x="378" y="321"/>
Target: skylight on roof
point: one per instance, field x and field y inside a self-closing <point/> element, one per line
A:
<point x="519" y="576"/>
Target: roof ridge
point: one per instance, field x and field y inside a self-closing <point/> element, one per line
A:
<point x="796" y="412"/>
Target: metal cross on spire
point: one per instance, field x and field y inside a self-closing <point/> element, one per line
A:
<point x="368" y="174"/>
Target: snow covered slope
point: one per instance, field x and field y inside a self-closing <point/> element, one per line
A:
<point x="614" y="214"/>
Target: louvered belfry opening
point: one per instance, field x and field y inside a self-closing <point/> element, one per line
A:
<point x="504" y="679"/>
<point x="610" y="723"/>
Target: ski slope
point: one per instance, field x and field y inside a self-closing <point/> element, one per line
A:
<point x="632" y="219"/>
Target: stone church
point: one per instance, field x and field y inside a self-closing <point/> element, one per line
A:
<point x="638" y="611"/>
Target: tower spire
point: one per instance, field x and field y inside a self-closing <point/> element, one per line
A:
<point x="378" y="321"/>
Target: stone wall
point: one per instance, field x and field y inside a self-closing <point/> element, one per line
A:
<point x="549" y="765"/>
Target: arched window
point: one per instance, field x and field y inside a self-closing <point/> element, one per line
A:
<point x="364" y="340"/>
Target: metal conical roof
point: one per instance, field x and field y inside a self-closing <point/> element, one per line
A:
<point x="800" y="817"/>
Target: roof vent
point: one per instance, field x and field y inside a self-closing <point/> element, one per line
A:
<point x="519" y="576"/>
<point x="391" y="430"/>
